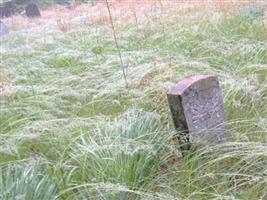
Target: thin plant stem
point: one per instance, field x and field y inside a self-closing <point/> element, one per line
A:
<point x="117" y="45"/>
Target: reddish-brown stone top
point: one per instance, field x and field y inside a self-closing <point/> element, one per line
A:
<point x="197" y="108"/>
<point x="181" y="86"/>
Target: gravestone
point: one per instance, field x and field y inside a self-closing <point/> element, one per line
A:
<point x="7" y="9"/>
<point x="32" y="11"/>
<point x="197" y="109"/>
<point x="71" y="6"/>
<point x="3" y="29"/>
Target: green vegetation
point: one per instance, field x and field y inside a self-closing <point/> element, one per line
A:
<point x="71" y="130"/>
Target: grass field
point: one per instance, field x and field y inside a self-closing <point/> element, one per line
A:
<point x="71" y="129"/>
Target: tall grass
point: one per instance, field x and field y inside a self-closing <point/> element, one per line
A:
<point x="25" y="182"/>
<point x="70" y="129"/>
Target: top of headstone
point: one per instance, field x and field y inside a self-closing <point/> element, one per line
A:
<point x="183" y="85"/>
<point x="197" y="107"/>
<point x="32" y="11"/>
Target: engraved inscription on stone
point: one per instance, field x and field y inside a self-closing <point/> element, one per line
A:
<point x="197" y="109"/>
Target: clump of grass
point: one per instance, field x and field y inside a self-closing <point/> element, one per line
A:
<point x="69" y="63"/>
<point x="25" y="182"/>
<point x="222" y="171"/>
<point x="124" y="155"/>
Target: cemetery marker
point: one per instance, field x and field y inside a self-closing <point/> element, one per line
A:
<point x="6" y="9"/>
<point x="3" y="29"/>
<point x="197" y="109"/>
<point x="32" y="11"/>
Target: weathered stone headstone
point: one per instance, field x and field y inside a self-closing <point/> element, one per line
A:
<point x="32" y="11"/>
<point x="3" y="29"/>
<point x="7" y="9"/>
<point x="71" y="6"/>
<point x="196" y="104"/>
